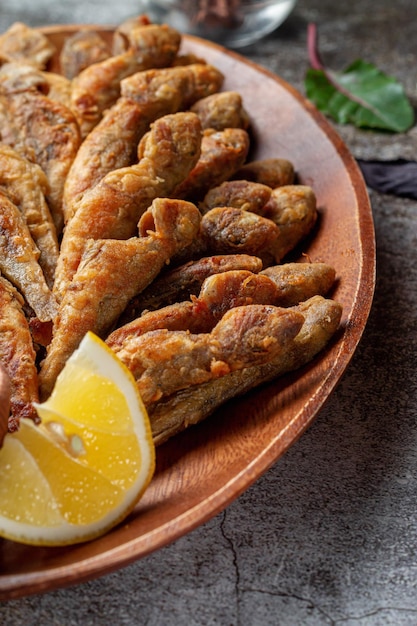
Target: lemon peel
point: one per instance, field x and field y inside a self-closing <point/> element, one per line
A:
<point x="84" y="468"/>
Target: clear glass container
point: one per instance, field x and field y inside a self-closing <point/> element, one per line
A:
<point x="232" y="23"/>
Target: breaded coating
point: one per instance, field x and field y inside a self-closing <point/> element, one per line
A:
<point x="187" y="58"/>
<point x="19" y="261"/>
<point x="182" y="409"/>
<point x="227" y="230"/>
<point x="187" y="83"/>
<point x="124" y="32"/>
<point x="218" y="294"/>
<point x="112" y="144"/>
<point x="241" y="194"/>
<point x="81" y="50"/>
<point x="222" y="153"/>
<point x="164" y="361"/>
<point x="181" y="282"/>
<point x="46" y="133"/>
<point x="22" y="43"/>
<point x="9" y="131"/>
<point x="17" y="355"/>
<point x="114" y="206"/>
<point x="300" y="281"/>
<point x="59" y="88"/>
<point x="20" y="76"/>
<point x="293" y="208"/>
<point x="111" y="272"/>
<point x="222" y="110"/>
<point x="25" y="184"/>
<point x="272" y="172"/>
<point x="97" y="87"/>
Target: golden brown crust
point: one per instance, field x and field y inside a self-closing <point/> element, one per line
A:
<point x="272" y="172"/>
<point x="218" y="294"/>
<point x="240" y="194"/>
<point x="46" y="133"/>
<point x="114" y="206"/>
<point x="222" y="110"/>
<point x="182" y="409"/>
<point x="222" y="153"/>
<point x="19" y="261"/>
<point x="25" y="184"/>
<point x="111" y="272"/>
<point x="293" y="208"/>
<point x="81" y="50"/>
<point x="22" y="43"/>
<point x="179" y="283"/>
<point x="164" y="361"/>
<point x="17" y="355"/>
<point x="97" y="87"/>
<point x="297" y="282"/>
<point x="188" y="83"/>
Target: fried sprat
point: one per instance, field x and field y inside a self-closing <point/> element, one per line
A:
<point x="45" y="132"/>
<point x="17" y="355"/>
<point x="164" y="361"/>
<point x="112" y="209"/>
<point x="183" y="281"/>
<point x="219" y="293"/>
<point x="26" y="185"/>
<point x="112" y="272"/>
<point x="22" y="43"/>
<point x="272" y="172"/>
<point x="222" y="153"/>
<point x="128" y="207"/>
<point x="293" y="208"/>
<point x="113" y="143"/>
<point x="19" y="261"/>
<point x="81" y="50"/>
<point x="240" y="194"/>
<point x="97" y="87"/>
<point x="222" y="110"/>
<point x="172" y="414"/>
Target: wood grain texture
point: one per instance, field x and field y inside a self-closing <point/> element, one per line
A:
<point x="202" y="470"/>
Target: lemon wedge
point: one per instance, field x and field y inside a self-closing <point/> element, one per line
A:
<point x="83" y="469"/>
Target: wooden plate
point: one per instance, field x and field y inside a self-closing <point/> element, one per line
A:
<point x="202" y="470"/>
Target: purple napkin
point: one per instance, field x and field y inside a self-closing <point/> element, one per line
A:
<point x="398" y="177"/>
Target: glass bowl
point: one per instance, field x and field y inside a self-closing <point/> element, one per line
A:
<point x="232" y="23"/>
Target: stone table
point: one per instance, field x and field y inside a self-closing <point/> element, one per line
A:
<point x="329" y="534"/>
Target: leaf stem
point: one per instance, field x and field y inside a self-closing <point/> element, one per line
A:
<point x="312" y="48"/>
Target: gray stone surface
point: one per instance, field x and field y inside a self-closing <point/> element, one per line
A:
<point x="329" y="534"/>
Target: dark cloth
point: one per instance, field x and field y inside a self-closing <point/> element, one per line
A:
<point x="398" y="177"/>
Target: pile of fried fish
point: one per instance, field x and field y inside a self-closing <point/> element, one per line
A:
<point x="128" y="207"/>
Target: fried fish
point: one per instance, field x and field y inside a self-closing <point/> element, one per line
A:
<point x="113" y="143"/>
<point x="164" y="361"/>
<point x="110" y="273"/>
<point x="112" y="209"/>
<point x="25" y="184"/>
<point x="19" y="261"/>
<point x="97" y="88"/>
<point x="181" y="282"/>
<point x="218" y="294"/>
<point x="174" y="413"/>
<point x="18" y="356"/>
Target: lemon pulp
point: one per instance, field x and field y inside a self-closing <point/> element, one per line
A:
<point x="84" y="468"/>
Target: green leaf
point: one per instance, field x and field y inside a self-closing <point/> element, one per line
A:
<point x="361" y="95"/>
